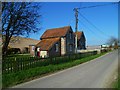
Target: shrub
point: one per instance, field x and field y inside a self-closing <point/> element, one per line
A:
<point x="13" y="51"/>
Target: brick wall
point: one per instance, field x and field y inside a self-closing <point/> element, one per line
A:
<point x="52" y="52"/>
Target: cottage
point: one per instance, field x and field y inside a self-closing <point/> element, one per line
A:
<point x="80" y="40"/>
<point x="58" y="42"/>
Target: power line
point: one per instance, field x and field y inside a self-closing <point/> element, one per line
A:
<point x="76" y="17"/>
<point x="93" y="33"/>
<point x="86" y="27"/>
<point x="94" y="25"/>
<point x="98" y="5"/>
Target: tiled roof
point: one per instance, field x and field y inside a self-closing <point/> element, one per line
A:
<point x="79" y="34"/>
<point x="46" y="44"/>
<point x="55" y="32"/>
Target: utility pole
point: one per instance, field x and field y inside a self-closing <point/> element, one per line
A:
<point x="76" y="27"/>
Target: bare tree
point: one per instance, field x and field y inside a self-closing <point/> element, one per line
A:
<point x="19" y="18"/>
<point x="113" y="41"/>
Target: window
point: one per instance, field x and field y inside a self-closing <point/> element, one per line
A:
<point x="70" y="47"/>
<point x="26" y="49"/>
<point x="33" y="48"/>
<point x="38" y="49"/>
<point x="56" y="47"/>
<point x="82" y="43"/>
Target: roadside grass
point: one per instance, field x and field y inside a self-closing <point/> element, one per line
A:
<point x="12" y="79"/>
<point x="116" y="83"/>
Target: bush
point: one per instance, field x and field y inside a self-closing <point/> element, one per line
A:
<point x="104" y="50"/>
<point x="13" y="51"/>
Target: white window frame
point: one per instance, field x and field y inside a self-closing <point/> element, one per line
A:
<point x="38" y="49"/>
<point x="56" y="47"/>
<point x="33" y="48"/>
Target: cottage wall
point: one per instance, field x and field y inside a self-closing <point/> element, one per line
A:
<point x="81" y="43"/>
<point x="70" y="42"/>
<point x="52" y="52"/>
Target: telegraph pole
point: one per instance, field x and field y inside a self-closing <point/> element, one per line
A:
<point x="76" y="27"/>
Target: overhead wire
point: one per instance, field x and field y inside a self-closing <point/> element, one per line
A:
<point x="94" y="25"/>
<point x="91" y="22"/>
<point x="93" y="33"/>
<point x="86" y="26"/>
<point x="99" y="5"/>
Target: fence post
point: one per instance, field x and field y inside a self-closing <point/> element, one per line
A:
<point x="3" y="66"/>
<point x="55" y="60"/>
<point x="51" y="60"/>
<point x="69" y="57"/>
<point x="11" y="65"/>
<point x="21" y="64"/>
<point x="15" y="65"/>
<point x="7" y="66"/>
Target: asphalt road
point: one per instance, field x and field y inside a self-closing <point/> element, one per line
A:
<point x="92" y="74"/>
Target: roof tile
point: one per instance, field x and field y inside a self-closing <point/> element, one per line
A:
<point x="46" y="44"/>
<point x="55" y="32"/>
<point x="79" y="34"/>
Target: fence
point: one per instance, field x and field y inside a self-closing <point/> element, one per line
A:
<point x="17" y="64"/>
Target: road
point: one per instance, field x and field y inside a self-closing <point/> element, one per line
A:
<point x="92" y="74"/>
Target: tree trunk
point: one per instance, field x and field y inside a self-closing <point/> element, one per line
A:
<point x="5" y="45"/>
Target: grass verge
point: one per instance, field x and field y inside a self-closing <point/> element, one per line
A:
<point x="116" y="83"/>
<point x="12" y="79"/>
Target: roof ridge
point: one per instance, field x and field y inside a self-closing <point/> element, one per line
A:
<point x="58" y="28"/>
<point x="79" y="32"/>
<point x="51" y="38"/>
<point x="55" y="32"/>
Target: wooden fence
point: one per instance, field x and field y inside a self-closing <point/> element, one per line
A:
<point x="17" y="64"/>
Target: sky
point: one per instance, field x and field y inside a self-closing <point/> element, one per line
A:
<point x="104" y="19"/>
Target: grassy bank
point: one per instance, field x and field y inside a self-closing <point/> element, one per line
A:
<point x="26" y="75"/>
<point x="116" y="83"/>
